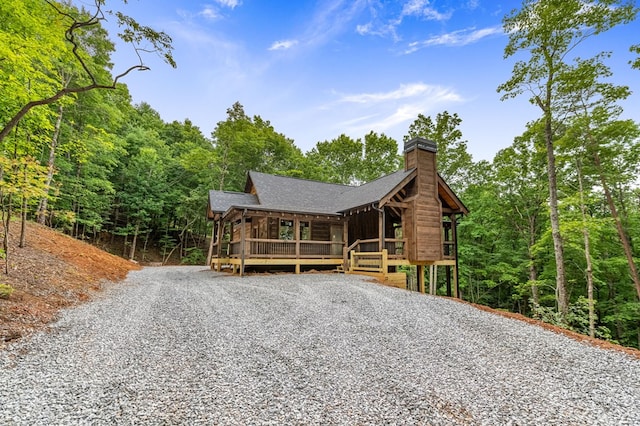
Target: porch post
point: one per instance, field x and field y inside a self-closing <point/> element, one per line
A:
<point x="296" y="232"/>
<point x="454" y="231"/>
<point x="210" y="253"/>
<point x="345" y="245"/>
<point x="381" y="229"/>
<point x="447" y="237"/>
<point x="219" y="247"/>
<point x="243" y="233"/>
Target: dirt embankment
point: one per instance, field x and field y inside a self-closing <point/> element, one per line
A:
<point x="51" y="272"/>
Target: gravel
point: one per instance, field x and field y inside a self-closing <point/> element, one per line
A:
<point x="185" y="345"/>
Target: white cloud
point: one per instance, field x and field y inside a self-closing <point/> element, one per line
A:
<point x="455" y="38"/>
<point x="385" y="111"/>
<point x="364" y="29"/>
<point x="232" y="4"/>
<point x="473" y="4"/>
<point x="210" y="12"/>
<point x="390" y="26"/>
<point x="421" y="8"/>
<point x="283" y="44"/>
<point x="403" y="92"/>
<point x="330" y="18"/>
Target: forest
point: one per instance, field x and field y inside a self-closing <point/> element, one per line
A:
<point x="554" y="228"/>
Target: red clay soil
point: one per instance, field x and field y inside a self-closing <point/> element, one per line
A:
<point x="51" y="272"/>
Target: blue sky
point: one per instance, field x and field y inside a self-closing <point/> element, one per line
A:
<point x="317" y="69"/>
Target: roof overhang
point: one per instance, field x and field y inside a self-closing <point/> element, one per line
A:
<point x="450" y="198"/>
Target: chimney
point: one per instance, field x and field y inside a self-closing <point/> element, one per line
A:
<point x="425" y="214"/>
<point x="412" y="148"/>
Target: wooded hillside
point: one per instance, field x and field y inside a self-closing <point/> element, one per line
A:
<point x="554" y="229"/>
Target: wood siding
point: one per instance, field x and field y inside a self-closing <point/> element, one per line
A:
<point x="424" y="218"/>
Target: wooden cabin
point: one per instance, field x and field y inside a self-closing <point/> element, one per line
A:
<point x="406" y="218"/>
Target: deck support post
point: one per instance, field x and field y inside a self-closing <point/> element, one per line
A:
<point x="420" y="277"/>
<point x="454" y="231"/>
<point x="433" y="279"/>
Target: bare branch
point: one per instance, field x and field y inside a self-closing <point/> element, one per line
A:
<point x="134" y="34"/>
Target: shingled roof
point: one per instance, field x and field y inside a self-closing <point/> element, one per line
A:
<point x="283" y="193"/>
<point x="221" y="201"/>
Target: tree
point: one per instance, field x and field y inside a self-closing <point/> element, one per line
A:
<point x="635" y="63"/>
<point x="37" y="46"/>
<point x="592" y="101"/>
<point x="380" y="157"/>
<point x="549" y="30"/>
<point x="519" y="178"/>
<point x="454" y="161"/>
<point x="339" y="159"/>
<point x="242" y="143"/>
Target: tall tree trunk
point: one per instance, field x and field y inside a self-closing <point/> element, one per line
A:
<point x="144" y="246"/>
<point x="533" y="272"/>
<point x="587" y="254"/>
<point x="132" y="254"/>
<point x="626" y="246"/>
<point x="5" y="239"/>
<point x="126" y="241"/>
<point x="558" y="246"/>
<point x="42" y="207"/>
<point x="23" y="222"/>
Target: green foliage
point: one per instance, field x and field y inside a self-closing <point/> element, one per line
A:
<point x="351" y="162"/>
<point x="242" y="143"/>
<point x="576" y="320"/>
<point x="5" y="291"/>
<point x="454" y="161"/>
<point x="194" y="256"/>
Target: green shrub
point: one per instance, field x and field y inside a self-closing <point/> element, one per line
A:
<point x="195" y="256"/>
<point x="5" y="291"/>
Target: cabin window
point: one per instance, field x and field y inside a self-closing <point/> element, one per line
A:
<point x="286" y="229"/>
<point x="305" y="231"/>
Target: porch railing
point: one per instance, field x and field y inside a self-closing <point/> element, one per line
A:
<point x="395" y="247"/>
<point x="369" y="261"/>
<point x="261" y="248"/>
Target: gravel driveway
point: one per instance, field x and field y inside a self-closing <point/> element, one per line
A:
<point x="185" y="345"/>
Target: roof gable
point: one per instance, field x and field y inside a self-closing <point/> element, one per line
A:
<point x="371" y="192"/>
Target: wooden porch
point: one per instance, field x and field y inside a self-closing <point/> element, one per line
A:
<point x="266" y="252"/>
<point x="362" y="257"/>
